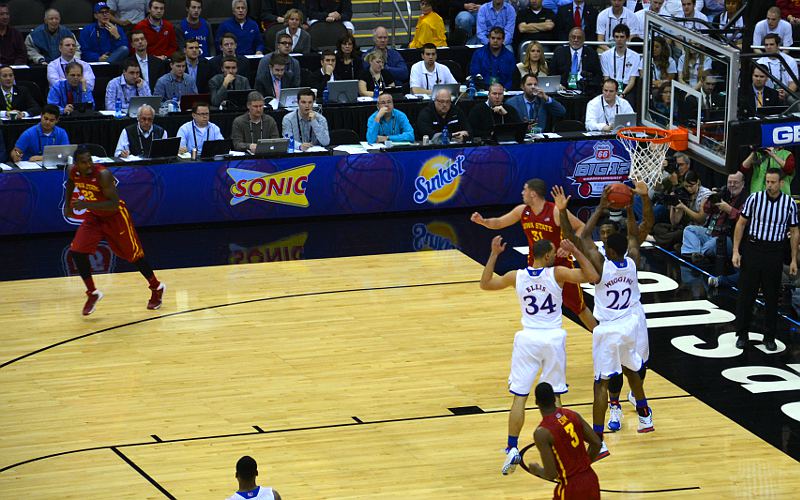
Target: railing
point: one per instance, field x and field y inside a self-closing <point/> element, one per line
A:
<point x="406" y="22"/>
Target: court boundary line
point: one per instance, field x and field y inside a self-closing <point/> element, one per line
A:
<point x="142" y="473"/>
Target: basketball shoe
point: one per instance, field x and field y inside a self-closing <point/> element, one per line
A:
<point x="155" y="297"/>
<point x="92" y="298"/>
<point x="614" y="418"/>
<point x="632" y="399"/>
<point x="512" y="459"/>
<point x="646" y="423"/>
<point x="603" y="451"/>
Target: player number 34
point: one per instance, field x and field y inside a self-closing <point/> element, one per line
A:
<point x="533" y="308"/>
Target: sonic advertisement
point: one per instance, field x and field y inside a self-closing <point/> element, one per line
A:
<point x="303" y="186"/>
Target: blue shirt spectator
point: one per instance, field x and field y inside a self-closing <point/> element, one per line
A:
<point x="42" y="43"/>
<point x="66" y="93"/>
<point x="493" y="61"/>
<point x="393" y="61"/>
<point x="534" y="105"/>
<point x="175" y="83"/>
<point x="103" y="41"/>
<point x="194" y="26"/>
<point x="555" y="4"/>
<point x="46" y="133"/>
<point x="248" y="35"/>
<point x="496" y="13"/>
<point x="128" y="84"/>
<point x="388" y="123"/>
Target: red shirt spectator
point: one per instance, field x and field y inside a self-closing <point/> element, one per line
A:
<point x="788" y="8"/>
<point x="12" y="46"/>
<point x="160" y="34"/>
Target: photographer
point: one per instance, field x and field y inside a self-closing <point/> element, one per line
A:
<point x="673" y="170"/>
<point x="723" y="209"/>
<point x="761" y="159"/>
<point x="685" y="208"/>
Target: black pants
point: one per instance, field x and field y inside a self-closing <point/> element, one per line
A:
<point x="762" y="266"/>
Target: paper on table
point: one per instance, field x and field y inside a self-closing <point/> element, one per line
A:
<point x="236" y="153"/>
<point x="351" y="149"/>
<point x="101" y="159"/>
<point x="3" y="166"/>
<point x="368" y="146"/>
<point x="132" y="158"/>
<point x="316" y="149"/>
<point x="29" y="165"/>
<point x="363" y="98"/>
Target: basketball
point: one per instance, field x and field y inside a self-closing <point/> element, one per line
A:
<point x="619" y="195"/>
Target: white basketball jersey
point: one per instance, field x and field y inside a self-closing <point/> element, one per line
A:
<point x="539" y="298"/>
<point x="264" y="493"/>
<point x="617" y="291"/>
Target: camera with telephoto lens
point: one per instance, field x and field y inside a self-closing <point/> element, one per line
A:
<point x="714" y="198"/>
<point x="680" y="195"/>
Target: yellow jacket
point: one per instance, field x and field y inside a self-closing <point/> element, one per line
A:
<point x="430" y="29"/>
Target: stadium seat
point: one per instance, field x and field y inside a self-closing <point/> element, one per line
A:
<point x="269" y="36"/>
<point x="176" y="10"/>
<point x="26" y="13"/>
<point x="73" y="12"/>
<point x="457" y="37"/>
<point x="34" y="89"/>
<point x="343" y="136"/>
<point x="326" y="35"/>
<point x="521" y="50"/>
<point x="454" y="68"/>
<point x="96" y="149"/>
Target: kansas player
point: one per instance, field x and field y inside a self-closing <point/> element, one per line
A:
<point x="542" y="341"/>
<point x="619" y="312"/>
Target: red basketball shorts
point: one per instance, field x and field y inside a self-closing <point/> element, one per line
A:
<point x="116" y="229"/>
<point x="583" y="486"/>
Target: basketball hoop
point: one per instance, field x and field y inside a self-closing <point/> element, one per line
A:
<point x="647" y="147"/>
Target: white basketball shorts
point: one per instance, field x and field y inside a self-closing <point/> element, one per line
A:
<point x="544" y="349"/>
<point x="614" y="346"/>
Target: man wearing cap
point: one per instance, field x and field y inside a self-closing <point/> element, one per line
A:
<point x="103" y="41"/>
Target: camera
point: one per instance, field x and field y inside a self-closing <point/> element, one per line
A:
<point x="680" y="195"/>
<point x="672" y="165"/>
<point x="714" y="198"/>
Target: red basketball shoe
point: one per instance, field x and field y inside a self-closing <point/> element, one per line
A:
<point x="92" y="298"/>
<point x="155" y="297"/>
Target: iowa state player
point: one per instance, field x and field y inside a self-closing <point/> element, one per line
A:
<point x="560" y="439"/>
<point x="540" y="220"/>
<point x="106" y="218"/>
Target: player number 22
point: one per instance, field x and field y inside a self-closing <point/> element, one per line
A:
<point x="88" y="195"/>
<point x="570" y="429"/>
<point x="534" y="308"/>
<point x="626" y="293"/>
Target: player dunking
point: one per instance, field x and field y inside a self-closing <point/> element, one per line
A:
<point x="540" y="220"/>
<point x="542" y="341"/>
<point x="617" y="307"/>
<point x="106" y="218"/>
<point x="560" y="439"/>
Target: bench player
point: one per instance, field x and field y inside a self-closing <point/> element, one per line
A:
<point x="540" y="220"/>
<point x="617" y="308"/>
<point x="106" y="218"/>
<point x="542" y="341"/>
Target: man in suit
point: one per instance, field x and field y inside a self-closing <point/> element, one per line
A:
<point x="219" y="85"/>
<point x="283" y="47"/>
<point x="578" y="65"/>
<point x="228" y="46"/>
<point x="534" y="105"/>
<point x="575" y="15"/>
<point x="757" y="95"/>
<point x="276" y="79"/>
<point x="318" y="79"/>
<point x="483" y="118"/>
<point x="152" y="68"/>
<point x="197" y="67"/>
<point x="14" y="98"/>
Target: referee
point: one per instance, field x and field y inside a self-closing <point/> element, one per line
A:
<point x="770" y="214"/>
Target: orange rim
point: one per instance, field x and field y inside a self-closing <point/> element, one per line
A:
<point x="677" y="138"/>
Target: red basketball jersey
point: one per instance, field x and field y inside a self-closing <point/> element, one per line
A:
<point x="568" y="445"/>
<point x="89" y="188"/>
<point x="542" y="226"/>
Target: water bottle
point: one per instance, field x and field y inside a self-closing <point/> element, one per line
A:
<point x="325" y="95"/>
<point x="471" y="89"/>
<point x="376" y="93"/>
<point x="174" y="107"/>
<point x="291" y="143"/>
<point x="118" y="108"/>
<point x="445" y="135"/>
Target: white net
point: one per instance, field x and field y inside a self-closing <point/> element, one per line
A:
<point x="647" y="157"/>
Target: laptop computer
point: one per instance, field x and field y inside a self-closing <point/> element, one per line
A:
<point x="624" y="120"/>
<point x="58" y="156"/>
<point x="343" y="91"/>
<point x="549" y="84"/>
<point x="137" y="101"/>
<point x="510" y="132"/>
<point x="216" y="148"/>
<point x="288" y="97"/>
<point x="272" y="146"/>
<point x="188" y="100"/>
<point x="165" y="148"/>
<point x="237" y="99"/>
<point x="452" y="87"/>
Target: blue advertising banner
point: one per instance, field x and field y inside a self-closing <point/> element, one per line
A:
<point x="247" y="189"/>
<point x="780" y="134"/>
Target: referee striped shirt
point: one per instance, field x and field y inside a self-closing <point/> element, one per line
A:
<point x="769" y="219"/>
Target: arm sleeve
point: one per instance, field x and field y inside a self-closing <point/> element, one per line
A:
<point x="179" y="39"/>
<point x="406" y="130"/>
<point x="34" y="56"/>
<point x="159" y="89"/>
<point x="424" y="125"/>
<point x="320" y="127"/>
<point x="54" y="97"/>
<point x="314" y="10"/>
<point x="122" y="143"/>
<point x="217" y="91"/>
<point x="122" y="41"/>
<point x="592" y="116"/>
<point x="415" y="78"/>
<point x="509" y="27"/>
<point x="259" y="40"/>
<point x="788" y="167"/>
<point x="237" y="136"/>
<point x="398" y="67"/>
<point x="111" y="95"/>
<point x="481" y="28"/>
<point x="372" y="129"/>
<point x="288" y="125"/>
<point x="91" y="52"/>
<point x="347" y="10"/>
<point x="52" y="73"/>
<point x="555" y="108"/>
<point x="89" y="75"/>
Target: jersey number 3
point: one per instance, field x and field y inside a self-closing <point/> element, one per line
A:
<point x="570" y="429"/>
<point x="533" y="308"/>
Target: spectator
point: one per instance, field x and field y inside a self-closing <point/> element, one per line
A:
<point x="301" y="40"/>
<point x="308" y="127"/>
<point x="42" y="43"/>
<point x="388" y="124"/>
<point x="31" y="142"/>
<point x="330" y="11"/>
<point x="660" y="102"/>
<point x="710" y="98"/>
<point x="427" y="72"/>
<point x="601" y="110"/>
<point x="430" y="28"/>
<point x="731" y="8"/>
<point x="578" y="66"/>
<point x="194" y="26"/>
<point x="772" y="24"/>
<point x="348" y="59"/>
<point x="197" y="67"/>
<point x="272" y="11"/>
<point x="693" y="211"/>
<point x="12" y="45"/>
<point x="690" y="10"/>
<point x="757" y="95"/>
<point x="535" y="106"/>
<point x="284" y="47"/>
<point x="713" y="8"/>
<point x="144" y="131"/>
<point x="685" y="204"/>
<point x="467" y="18"/>
<point x="536" y="23"/>
<point x="246" y="472"/>
<point x="692" y="65"/>
<point x="228" y="44"/>
<point x="493" y="61"/>
<point x="772" y="44"/>
<point x="160" y="34"/>
<point x="613" y="16"/>
<point x="103" y="41"/>
<point x="759" y="161"/>
<point x="375" y="76"/>
<point x="67" y="94"/>
<point x="393" y="61"/>
<point x="151" y="67"/>
<point x="723" y="211"/>
<point x="56" y="68"/>
<point x="575" y="14"/>
<point x="622" y="64"/>
<point x="14" y="98"/>
<point x="125" y="86"/>
<point x="248" y="35"/>
<point x="440" y="113"/>
<point x="128" y="12"/>
<point x="674" y="8"/>
<point x="533" y="62"/>
<point x="663" y="65"/>
<point x="219" y="85"/>
<point x="319" y="79"/>
<point x="195" y="133"/>
<point x="482" y="119"/>
<point x="176" y="83"/>
<point x="271" y="84"/>
<point x="254" y="125"/>
<point x="492" y="14"/>
<point x="655" y="7"/>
